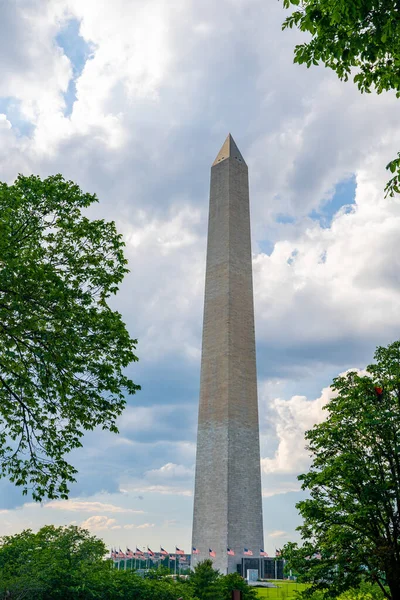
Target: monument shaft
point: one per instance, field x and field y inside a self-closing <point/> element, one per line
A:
<point x="227" y="499"/>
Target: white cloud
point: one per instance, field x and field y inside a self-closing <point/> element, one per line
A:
<point x="146" y="526"/>
<point x="102" y="523"/>
<point x="275" y="534"/>
<point x="171" y="471"/>
<point x="292" y="418"/>
<point x="153" y="104"/>
<point x="99" y="523"/>
<point x="273" y="488"/>
<point x="143" y="526"/>
<point x="88" y="506"/>
<point x="309" y="290"/>
<point x="165" y="490"/>
<point x="170" y="523"/>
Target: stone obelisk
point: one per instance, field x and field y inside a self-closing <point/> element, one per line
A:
<point x="227" y="498"/>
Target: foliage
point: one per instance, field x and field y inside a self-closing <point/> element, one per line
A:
<point x="364" y="592"/>
<point x="53" y="563"/>
<point x="204" y="581"/>
<point x="128" y="586"/>
<point x="234" y="581"/>
<point x="352" y="515"/>
<point x="62" y="349"/>
<point x="208" y="584"/>
<point x="358" y="35"/>
<point x="67" y="563"/>
<point x="158" y="573"/>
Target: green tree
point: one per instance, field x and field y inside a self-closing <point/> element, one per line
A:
<point x="62" y="349"/>
<point x="234" y="581"/>
<point x="204" y="581"/>
<point x="67" y="563"/>
<point x="360" y="36"/>
<point x="352" y="516"/>
<point x="364" y="592"/>
<point x="55" y="563"/>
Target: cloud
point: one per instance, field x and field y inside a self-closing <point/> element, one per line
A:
<point x="99" y="523"/>
<point x="292" y="419"/>
<point x="166" y="490"/>
<point x="275" y="534"/>
<point x="102" y="523"/>
<point x="170" y="523"/>
<point x="273" y="488"/>
<point x="157" y="423"/>
<point x="171" y="471"/>
<point x="153" y="101"/>
<point x="143" y="526"/>
<point x="86" y="506"/>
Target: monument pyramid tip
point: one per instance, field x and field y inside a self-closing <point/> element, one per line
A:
<point x="229" y="149"/>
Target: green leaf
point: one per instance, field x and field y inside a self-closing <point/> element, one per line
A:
<point x="63" y="351"/>
<point x="350" y="515"/>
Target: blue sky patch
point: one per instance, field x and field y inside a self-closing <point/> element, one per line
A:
<point x="292" y="257"/>
<point x="266" y="246"/>
<point x="345" y="192"/>
<point x="11" y="107"/>
<point x="78" y="51"/>
<point x="284" y="219"/>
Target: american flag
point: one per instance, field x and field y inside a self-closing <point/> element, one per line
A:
<point x="113" y="554"/>
<point x="178" y="551"/>
<point x="317" y="555"/>
<point x="212" y="553"/>
<point x="278" y="553"/>
<point x="195" y="551"/>
<point x="172" y="557"/>
<point x="247" y="552"/>
<point x="182" y="559"/>
<point x="121" y="554"/>
<point x="150" y="552"/>
<point x="230" y="552"/>
<point x="139" y="552"/>
<point x="129" y="553"/>
<point x="263" y="553"/>
<point x="163" y="552"/>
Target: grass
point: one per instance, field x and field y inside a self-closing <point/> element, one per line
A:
<point x="286" y="590"/>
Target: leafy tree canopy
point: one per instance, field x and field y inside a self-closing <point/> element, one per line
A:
<point x="67" y="563"/>
<point x="351" y="528"/>
<point x="207" y="583"/>
<point x="360" y="36"/>
<point x="234" y="581"/>
<point x="204" y="581"/>
<point x="51" y="561"/>
<point x="62" y="349"/>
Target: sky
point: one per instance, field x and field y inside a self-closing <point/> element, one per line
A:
<point x="133" y="100"/>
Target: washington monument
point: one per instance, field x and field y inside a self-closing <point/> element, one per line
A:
<point x="227" y="498"/>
